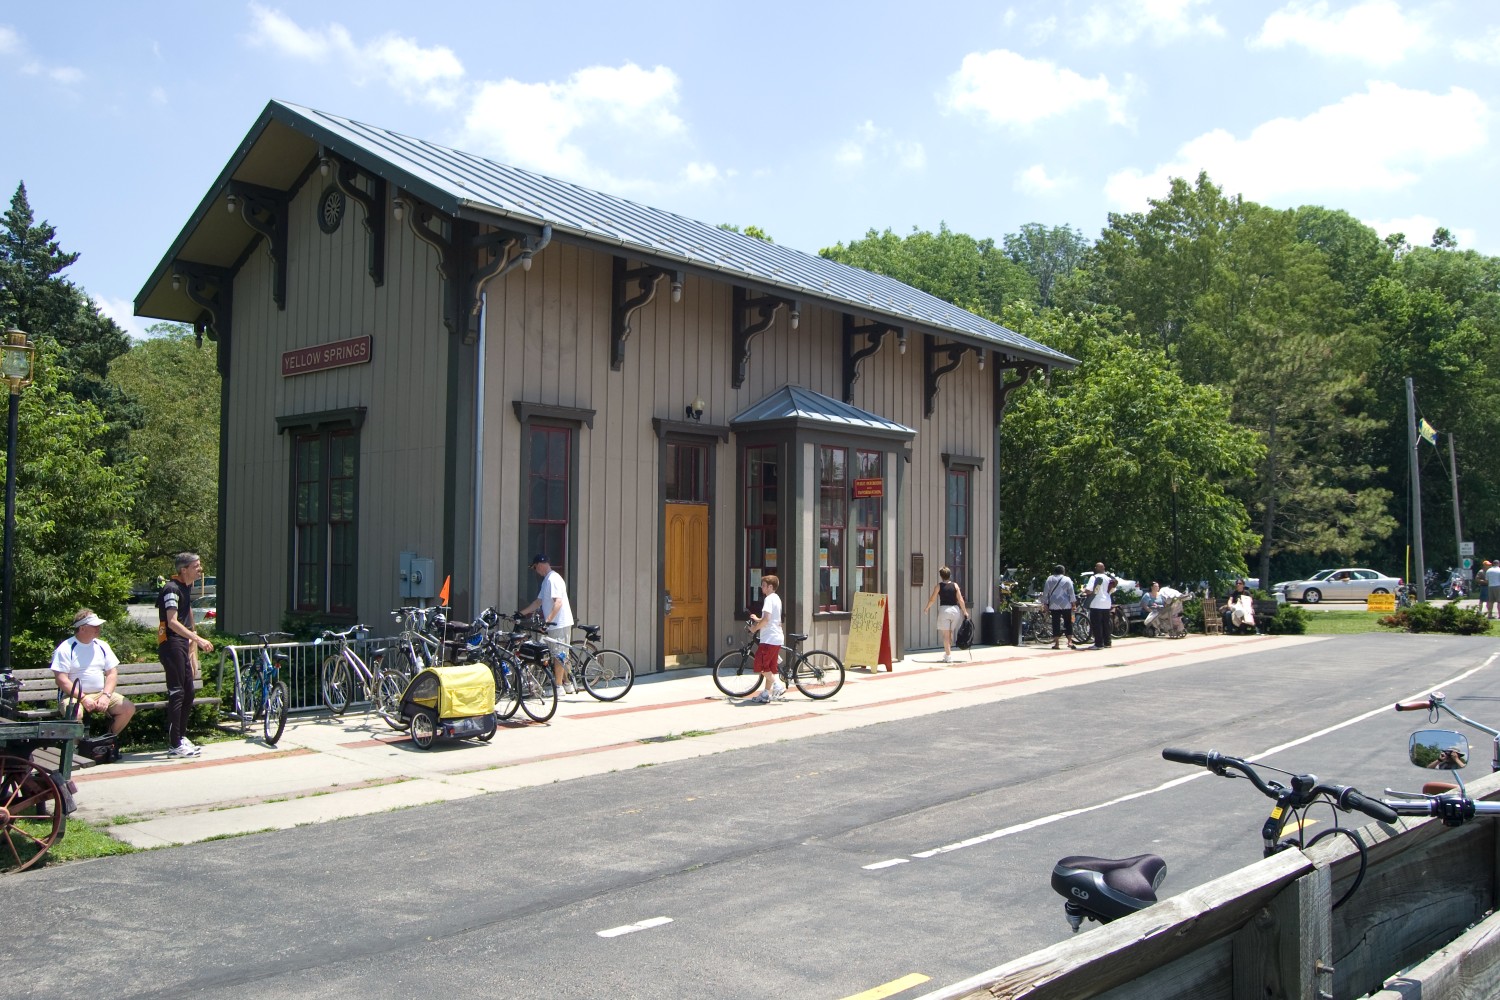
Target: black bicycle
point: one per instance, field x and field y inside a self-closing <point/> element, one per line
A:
<point x="817" y="673"/>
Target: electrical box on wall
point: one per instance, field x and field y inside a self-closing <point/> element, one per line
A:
<point x="417" y="576"/>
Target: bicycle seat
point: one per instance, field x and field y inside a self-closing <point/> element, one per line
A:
<point x="1107" y="888"/>
<point x="797" y="636"/>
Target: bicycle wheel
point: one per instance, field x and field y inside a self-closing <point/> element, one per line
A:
<point x="337" y="683"/>
<point x="734" y="674"/>
<point x="1043" y="625"/>
<point x="507" y="671"/>
<point x="1119" y="625"/>
<point x="246" y="699"/>
<point x="388" y="692"/>
<point x="819" y="674"/>
<point x="1083" y="634"/>
<point x="608" y="674"/>
<point x="398" y="661"/>
<point x="538" y="691"/>
<point x="275" y="720"/>
<point x="424" y="727"/>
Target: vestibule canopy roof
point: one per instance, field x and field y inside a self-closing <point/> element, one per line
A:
<point x="287" y="142"/>
<point x="796" y="406"/>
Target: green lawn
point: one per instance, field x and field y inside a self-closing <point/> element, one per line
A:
<point x="1343" y="622"/>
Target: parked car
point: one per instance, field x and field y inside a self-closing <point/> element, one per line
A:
<point x="204" y="609"/>
<point x="1347" y="584"/>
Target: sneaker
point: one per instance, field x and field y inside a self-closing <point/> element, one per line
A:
<point x="778" y="692"/>
<point x="947" y="659"/>
<point x="184" y="749"/>
<point x="569" y="687"/>
<point x="763" y="698"/>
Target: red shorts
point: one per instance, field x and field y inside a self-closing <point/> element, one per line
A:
<point x="766" y="658"/>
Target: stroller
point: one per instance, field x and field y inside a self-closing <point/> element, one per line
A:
<point x="457" y="702"/>
<point x="1166" y="621"/>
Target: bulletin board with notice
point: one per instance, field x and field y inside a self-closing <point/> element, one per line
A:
<point x="869" y="633"/>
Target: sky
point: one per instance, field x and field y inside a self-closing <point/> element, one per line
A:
<point x="816" y="120"/>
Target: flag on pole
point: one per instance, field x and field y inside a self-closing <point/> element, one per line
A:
<point x="443" y="594"/>
<point x="1428" y="432"/>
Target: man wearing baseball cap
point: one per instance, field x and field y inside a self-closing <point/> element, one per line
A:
<point x="552" y="599"/>
<point x="87" y="659"/>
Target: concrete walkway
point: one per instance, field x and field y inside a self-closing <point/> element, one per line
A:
<point x="325" y="769"/>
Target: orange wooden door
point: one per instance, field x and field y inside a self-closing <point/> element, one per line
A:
<point x="687" y="581"/>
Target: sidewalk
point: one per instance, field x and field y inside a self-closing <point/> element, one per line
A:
<point x="324" y="768"/>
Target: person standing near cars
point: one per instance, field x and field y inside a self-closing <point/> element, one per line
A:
<point x="1097" y="595"/>
<point x="552" y="601"/>
<point x="177" y="644"/>
<point x="1060" y="598"/>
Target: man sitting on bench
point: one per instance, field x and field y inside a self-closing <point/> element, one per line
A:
<point x="87" y="659"/>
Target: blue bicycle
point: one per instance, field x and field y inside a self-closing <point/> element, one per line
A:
<point x="260" y="692"/>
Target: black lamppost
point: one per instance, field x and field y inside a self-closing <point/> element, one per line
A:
<point x="16" y="370"/>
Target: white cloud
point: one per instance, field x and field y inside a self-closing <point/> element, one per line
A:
<point x="122" y="311"/>
<point x="10" y="42"/>
<point x="1124" y="21"/>
<point x="1485" y="48"/>
<point x="1418" y="230"/>
<point x="1009" y="89"/>
<point x="1377" y="140"/>
<point x="871" y="143"/>
<point x="431" y="74"/>
<point x="14" y="46"/>
<point x="1035" y="180"/>
<point x="1375" y="31"/>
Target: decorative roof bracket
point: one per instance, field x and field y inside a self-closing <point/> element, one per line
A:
<point x="349" y="179"/>
<point x="454" y="240"/>
<point x="766" y="306"/>
<point x="211" y="288"/>
<point x="265" y="211"/>
<point x="1004" y="387"/>
<point x="874" y="333"/>
<point x="955" y="354"/>
<point x="646" y="279"/>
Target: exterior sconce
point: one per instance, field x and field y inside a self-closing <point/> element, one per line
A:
<point x="901" y="341"/>
<point x="398" y="209"/>
<point x="324" y="166"/>
<point x="176" y="281"/>
<point x="981" y="360"/>
<point x="233" y="203"/>
<point x="796" y="317"/>
<point x="526" y="260"/>
<point x="695" y="409"/>
<point x="676" y="290"/>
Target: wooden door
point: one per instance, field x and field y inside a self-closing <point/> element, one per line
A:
<point x="686" y="637"/>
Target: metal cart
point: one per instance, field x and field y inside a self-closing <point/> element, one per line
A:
<point x="36" y="788"/>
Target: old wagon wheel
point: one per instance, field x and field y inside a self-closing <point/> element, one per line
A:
<point x="31" y="813"/>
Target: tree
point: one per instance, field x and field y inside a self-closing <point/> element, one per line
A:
<point x="1095" y="468"/>
<point x="755" y="231"/>
<point x="972" y="274"/>
<point x="175" y="383"/>
<point x="1048" y="255"/>
<point x="74" y="540"/>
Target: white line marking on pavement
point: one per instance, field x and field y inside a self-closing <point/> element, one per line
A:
<point x="1055" y="817"/>
<point x="632" y="928"/>
<point x="887" y="864"/>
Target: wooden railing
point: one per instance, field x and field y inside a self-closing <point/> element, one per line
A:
<point x="1415" y="928"/>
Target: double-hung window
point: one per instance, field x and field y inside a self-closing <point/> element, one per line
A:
<point x="325" y="517"/>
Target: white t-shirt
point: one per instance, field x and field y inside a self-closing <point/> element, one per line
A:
<point x="772" y="634"/>
<point x="88" y="661"/>
<point x="553" y="588"/>
<point x="1492" y="578"/>
<point x="1099" y="584"/>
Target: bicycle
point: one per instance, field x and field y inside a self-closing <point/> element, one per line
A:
<point x="1036" y="624"/>
<point x="522" y="666"/>
<point x="1106" y="889"/>
<point x="1443" y="750"/>
<point x="260" y="691"/>
<point x="414" y="649"/>
<point x="817" y="673"/>
<point x="340" y="670"/>
<point x="607" y="674"/>
<point x="1436" y="703"/>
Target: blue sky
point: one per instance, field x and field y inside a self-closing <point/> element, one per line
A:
<point x="813" y="120"/>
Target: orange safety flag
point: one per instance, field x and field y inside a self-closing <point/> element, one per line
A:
<point x="443" y="594"/>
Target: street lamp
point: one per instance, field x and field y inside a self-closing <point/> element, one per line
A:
<point x="15" y="368"/>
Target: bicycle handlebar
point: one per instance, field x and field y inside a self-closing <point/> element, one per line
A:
<point x="1415" y="706"/>
<point x="1305" y="787"/>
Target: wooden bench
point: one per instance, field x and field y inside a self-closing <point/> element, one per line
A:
<point x="1265" y="609"/>
<point x="134" y="681"/>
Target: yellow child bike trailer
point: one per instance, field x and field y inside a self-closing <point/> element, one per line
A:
<point x="455" y="702"/>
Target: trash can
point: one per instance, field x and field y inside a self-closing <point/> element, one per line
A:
<point x="1016" y="614"/>
<point x="989" y="628"/>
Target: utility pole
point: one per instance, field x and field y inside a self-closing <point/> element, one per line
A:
<point x="1416" y="489"/>
<point x="1458" y="527"/>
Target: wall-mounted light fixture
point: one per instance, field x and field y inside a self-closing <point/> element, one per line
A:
<point x="796" y="317"/>
<point x="901" y="341"/>
<point x="176" y="281"/>
<point x="398" y="209"/>
<point x="981" y="359"/>
<point x="676" y="289"/>
<point x="525" y="260"/>
<point x="233" y="203"/>
<point x="324" y="165"/>
<point x="695" y="409"/>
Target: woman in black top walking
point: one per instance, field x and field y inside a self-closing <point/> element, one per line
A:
<point x="951" y="609"/>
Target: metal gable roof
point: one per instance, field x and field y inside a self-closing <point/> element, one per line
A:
<point x="794" y="402"/>
<point x="455" y="181"/>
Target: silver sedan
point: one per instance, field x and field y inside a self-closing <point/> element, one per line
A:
<point x="1350" y="584"/>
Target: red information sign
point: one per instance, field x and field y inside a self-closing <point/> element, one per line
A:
<point x="869" y="488"/>
<point x="316" y="359"/>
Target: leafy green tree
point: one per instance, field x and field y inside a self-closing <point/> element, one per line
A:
<point x="955" y="267"/>
<point x="1048" y="255"/>
<point x="175" y="383"/>
<point x="1102" y="465"/>
<point x="755" y="231"/>
<point x="74" y="540"/>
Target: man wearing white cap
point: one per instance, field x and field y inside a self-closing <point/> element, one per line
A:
<point x="87" y="660"/>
